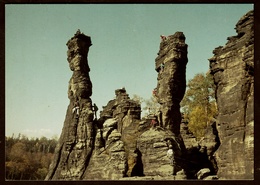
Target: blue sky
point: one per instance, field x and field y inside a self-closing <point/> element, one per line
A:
<point x="125" y="44"/>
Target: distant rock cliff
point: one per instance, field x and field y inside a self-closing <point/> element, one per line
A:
<point x="233" y="70"/>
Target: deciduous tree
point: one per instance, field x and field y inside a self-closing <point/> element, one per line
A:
<point x="199" y="104"/>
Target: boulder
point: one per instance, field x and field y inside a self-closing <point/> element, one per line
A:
<point x="203" y="173"/>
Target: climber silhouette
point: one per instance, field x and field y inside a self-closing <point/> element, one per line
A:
<point x="95" y="109"/>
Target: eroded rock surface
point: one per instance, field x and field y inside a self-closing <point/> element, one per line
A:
<point x="76" y="142"/>
<point x="200" y="153"/>
<point x="116" y="155"/>
<point x="233" y="70"/>
<point x="171" y="67"/>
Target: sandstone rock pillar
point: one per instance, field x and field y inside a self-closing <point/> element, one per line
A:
<point x="171" y="67"/>
<point x="76" y="142"/>
<point x="115" y="155"/>
<point x="233" y="69"/>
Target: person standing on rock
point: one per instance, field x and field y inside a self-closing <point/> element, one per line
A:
<point x="159" y="116"/>
<point x="154" y="123"/>
<point x="163" y="37"/>
<point x="95" y="109"/>
<point x="170" y="155"/>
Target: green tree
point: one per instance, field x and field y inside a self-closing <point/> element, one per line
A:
<point x="199" y="104"/>
<point x="149" y="106"/>
<point x="28" y="159"/>
<point x="138" y="99"/>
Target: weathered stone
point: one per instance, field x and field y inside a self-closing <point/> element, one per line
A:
<point x="76" y="142"/>
<point x="203" y="173"/>
<point x="200" y="153"/>
<point x="233" y="70"/>
<point x="109" y="164"/>
<point x="171" y="67"/>
<point x="116" y="138"/>
<point x="154" y="159"/>
<point x="211" y="177"/>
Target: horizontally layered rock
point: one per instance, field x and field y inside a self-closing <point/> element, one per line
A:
<point x="115" y="155"/>
<point x="233" y="70"/>
<point x="76" y="142"/>
<point x="171" y="67"/>
<point x="153" y="145"/>
<point x="155" y="142"/>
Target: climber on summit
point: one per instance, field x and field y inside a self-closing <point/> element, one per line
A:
<point x="76" y="108"/>
<point x="163" y="37"/>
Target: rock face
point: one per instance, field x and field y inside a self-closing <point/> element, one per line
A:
<point x="155" y="143"/>
<point x="126" y="146"/>
<point x="76" y="142"/>
<point x="171" y="67"/>
<point x="200" y="154"/>
<point x="233" y="70"/>
<point x="122" y="146"/>
<point x="116" y="155"/>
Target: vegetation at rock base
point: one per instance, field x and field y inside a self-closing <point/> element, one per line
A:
<point x="28" y="159"/>
<point x="199" y="104"/>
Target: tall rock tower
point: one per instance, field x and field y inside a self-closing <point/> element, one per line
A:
<point x="171" y="67"/>
<point x="233" y="69"/>
<point x="76" y="142"/>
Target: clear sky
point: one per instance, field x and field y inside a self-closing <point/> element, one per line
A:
<point x="125" y="42"/>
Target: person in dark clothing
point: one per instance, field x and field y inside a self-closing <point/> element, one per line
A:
<point x="95" y="109"/>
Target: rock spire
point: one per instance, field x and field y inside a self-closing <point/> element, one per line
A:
<point x="76" y="142"/>
<point x="171" y="67"/>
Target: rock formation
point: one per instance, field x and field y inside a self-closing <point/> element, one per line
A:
<point x="119" y="144"/>
<point x="233" y="70"/>
<point x="122" y="146"/>
<point x="76" y="142"/>
<point x="115" y="155"/>
<point x="126" y="146"/>
<point x="155" y="142"/>
<point x="171" y="67"/>
<point x="200" y="153"/>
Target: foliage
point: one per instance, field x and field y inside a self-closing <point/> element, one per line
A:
<point x="199" y="104"/>
<point x="149" y="106"/>
<point x="28" y="159"/>
<point x="138" y="99"/>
